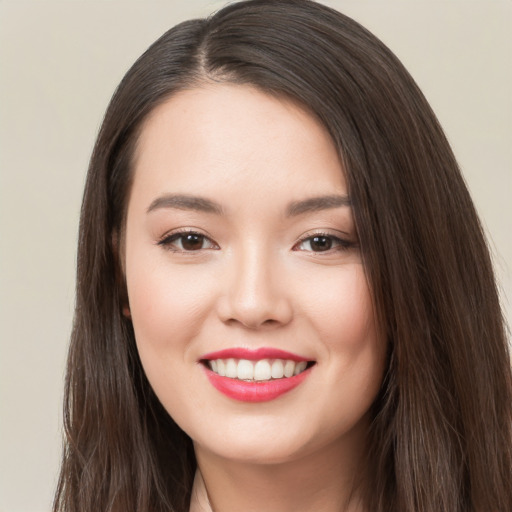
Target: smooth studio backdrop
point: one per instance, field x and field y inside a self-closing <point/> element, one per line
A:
<point x="59" y="64"/>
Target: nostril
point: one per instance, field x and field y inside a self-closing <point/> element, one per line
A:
<point x="253" y="323"/>
<point x="246" y="303"/>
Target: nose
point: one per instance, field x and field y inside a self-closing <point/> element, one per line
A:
<point x="254" y="294"/>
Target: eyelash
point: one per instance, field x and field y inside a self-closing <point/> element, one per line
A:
<point x="340" y="244"/>
<point x="167" y="241"/>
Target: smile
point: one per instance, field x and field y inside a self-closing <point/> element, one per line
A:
<point x="255" y="375"/>
<point x="256" y="371"/>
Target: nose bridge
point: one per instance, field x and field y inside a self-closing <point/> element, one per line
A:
<point x="255" y="295"/>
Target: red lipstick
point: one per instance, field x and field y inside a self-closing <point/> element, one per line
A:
<point x="254" y="391"/>
<point x="254" y="354"/>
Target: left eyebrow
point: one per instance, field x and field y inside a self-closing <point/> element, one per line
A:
<point x="315" y="204"/>
<point x="186" y="202"/>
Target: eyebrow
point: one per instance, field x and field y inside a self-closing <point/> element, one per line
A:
<point x="201" y="204"/>
<point x="315" y="204"/>
<point x="186" y="202"/>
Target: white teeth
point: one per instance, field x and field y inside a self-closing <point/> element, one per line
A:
<point x="277" y="369"/>
<point x="245" y="370"/>
<point x="231" y="368"/>
<point x="289" y="368"/>
<point x="221" y="367"/>
<point x="300" y="367"/>
<point x="261" y="370"/>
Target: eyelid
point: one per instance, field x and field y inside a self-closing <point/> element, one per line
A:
<point x="166" y="240"/>
<point x="344" y="241"/>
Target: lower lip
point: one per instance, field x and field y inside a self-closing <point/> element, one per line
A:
<point x="255" y="391"/>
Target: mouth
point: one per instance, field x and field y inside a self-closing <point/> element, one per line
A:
<point x="255" y="375"/>
<point x="261" y="370"/>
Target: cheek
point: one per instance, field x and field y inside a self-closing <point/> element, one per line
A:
<point x="342" y="316"/>
<point x="341" y="310"/>
<point x="168" y="305"/>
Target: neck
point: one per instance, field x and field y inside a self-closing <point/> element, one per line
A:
<point x="327" y="480"/>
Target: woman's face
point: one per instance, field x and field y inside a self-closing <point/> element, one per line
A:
<point x="241" y="258"/>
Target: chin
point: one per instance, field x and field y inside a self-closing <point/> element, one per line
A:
<point x="253" y="453"/>
<point x="267" y="442"/>
<point x="252" y="442"/>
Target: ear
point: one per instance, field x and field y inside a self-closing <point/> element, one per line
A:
<point x="117" y="252"/>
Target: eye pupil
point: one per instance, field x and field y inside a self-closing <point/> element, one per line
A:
<point x="321" y="243"/>
<point x="192" y="242"/>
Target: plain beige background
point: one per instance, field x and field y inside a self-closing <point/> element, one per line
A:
<point x="59" y="64"/>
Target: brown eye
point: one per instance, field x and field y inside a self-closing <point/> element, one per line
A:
<point x="320" y="243"/>
<point x="323" y="243"/>
<point x="192" y="242"/>
<point x="187" y="242"/>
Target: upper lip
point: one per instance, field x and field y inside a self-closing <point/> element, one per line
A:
<point x="254" y="354"/>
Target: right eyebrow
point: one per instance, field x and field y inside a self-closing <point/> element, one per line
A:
<point x="315" y="204"/>
<point x="185" y="202"/>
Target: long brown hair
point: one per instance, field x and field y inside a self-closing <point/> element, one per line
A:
<point x="441" y="435"/>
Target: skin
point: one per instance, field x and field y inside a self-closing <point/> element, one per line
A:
<point x="254" y="280"/>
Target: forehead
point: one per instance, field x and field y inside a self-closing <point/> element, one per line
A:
<point x="220" y="137"/>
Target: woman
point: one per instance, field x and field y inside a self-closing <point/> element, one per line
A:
<point x="285" y="300"/>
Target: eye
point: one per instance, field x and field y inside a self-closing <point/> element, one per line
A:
<point x="187" y="241"/>
<point x="322" y="243"/>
